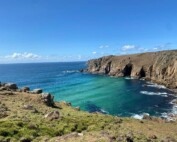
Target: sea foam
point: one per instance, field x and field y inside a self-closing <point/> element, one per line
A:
<point x="163" y="94"/>
<point x="70" y="71"/>
<point x="139" y="116"/>
<point x="150" y="84"/>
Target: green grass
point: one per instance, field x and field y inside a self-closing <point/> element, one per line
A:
<point x="21" y="124"/>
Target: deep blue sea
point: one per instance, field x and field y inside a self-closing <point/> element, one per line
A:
<point x="115" y="96"/>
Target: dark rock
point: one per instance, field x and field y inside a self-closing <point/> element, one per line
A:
<point x="82" y="70"/>
<point x="68" y="104"/>
<point x="25" y="139"/>
<point x="153" y="137"/>
<point x="47" y="98"/>
<point x="25" y="89"/>
<point x="3" y="88"/>
<point x="37" y="91"/>
<point x="11" y="86"/>
<point x="129" y="139"/>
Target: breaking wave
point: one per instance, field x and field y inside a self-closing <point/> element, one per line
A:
<point x="70" y="71"/>
<point x="150" y="84"/>
<point x="139" y="116"/>
<point x="163" y="94"/>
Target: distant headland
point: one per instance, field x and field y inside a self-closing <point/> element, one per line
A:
<point x="159" y="67"/>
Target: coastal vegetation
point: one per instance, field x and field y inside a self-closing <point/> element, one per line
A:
<point x="33" y="116"/>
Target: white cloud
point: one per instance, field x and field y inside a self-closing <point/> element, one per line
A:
<point x="155" y="48"/>
<point x="94" y="52"/>
<point x="24" y="55"/>
<point x="79" y="57"/>
<point x="128" y="47"/>
<point x="104" y="46"/>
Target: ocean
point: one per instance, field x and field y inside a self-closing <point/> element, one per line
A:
<point x="116" y="96"/>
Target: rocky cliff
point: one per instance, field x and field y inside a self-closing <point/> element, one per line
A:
<point x="160" y="67"/>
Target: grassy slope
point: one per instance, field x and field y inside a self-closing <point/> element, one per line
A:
<point x="21" y="124"/>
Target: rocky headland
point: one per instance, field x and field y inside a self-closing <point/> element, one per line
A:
<point x="159" y="67"/>
<point x="27" y="116"/>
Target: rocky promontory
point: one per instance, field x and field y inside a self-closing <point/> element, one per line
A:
<point x="159" y="67"/>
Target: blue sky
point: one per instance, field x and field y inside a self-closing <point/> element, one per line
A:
<point x="77" y="30"/>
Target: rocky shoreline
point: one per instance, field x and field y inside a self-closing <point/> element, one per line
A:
<point x="159" y="67"/>
<point x="156" y="67"/>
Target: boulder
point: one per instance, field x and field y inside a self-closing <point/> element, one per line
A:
<point x="25" y="89"/>
<point x="53" y="115"/>
<point x="147" y="117"/>
<point x="3" y="88"/>
<point x="28" y="107"/>
<point x="77" y="108"/>
<point x="47" y="98"/>
<point x="37" y="91"/>
<point x="82" y="70"/>
<point x="11" y="86"/>
<point x="68" y="104"/>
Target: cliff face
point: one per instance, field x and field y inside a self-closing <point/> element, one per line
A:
<point x="160" y="67"/>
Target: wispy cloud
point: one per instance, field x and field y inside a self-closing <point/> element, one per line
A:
<point x="24" y="55"/>
<point x="128" y="47"/>
<point x="94" y="52"/>
<point x="104" y="46"/>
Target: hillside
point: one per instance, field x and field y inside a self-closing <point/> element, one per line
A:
<point x="31" y="116"/>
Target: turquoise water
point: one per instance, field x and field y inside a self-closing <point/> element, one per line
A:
<point x="116" y="96"/>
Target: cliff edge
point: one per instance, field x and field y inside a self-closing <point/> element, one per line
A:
<point x="160" y="67"/>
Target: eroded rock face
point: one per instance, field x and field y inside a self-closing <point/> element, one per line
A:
<point x="160" y="67"/>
